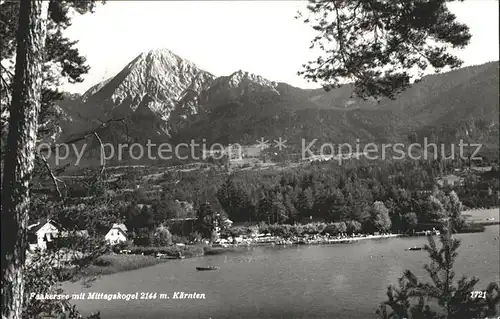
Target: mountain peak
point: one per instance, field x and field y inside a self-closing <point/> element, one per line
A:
<point x="161" y="59"/>
<point x="155" y="82"/>
<point x="162" y="54"/>
<point x="245" y="79"/>
<point x="170" y="99"/>
<point x="241" y="75"/>
<point x="160" y="51"/>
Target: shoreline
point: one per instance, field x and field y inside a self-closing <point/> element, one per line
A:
<point x="302" y="241"/>
<point x="118" y="263"/>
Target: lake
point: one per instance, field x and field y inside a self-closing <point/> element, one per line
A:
<point x="323" y="281"/>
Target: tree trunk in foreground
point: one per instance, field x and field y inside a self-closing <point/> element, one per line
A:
<point x="20" y="150"/>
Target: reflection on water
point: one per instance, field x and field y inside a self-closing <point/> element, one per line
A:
<point x="335" y="281"/>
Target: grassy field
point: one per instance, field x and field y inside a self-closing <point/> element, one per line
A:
<point x="111" y="264"/>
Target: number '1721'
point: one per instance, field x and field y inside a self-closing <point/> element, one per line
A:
<point x="478" y="294"/>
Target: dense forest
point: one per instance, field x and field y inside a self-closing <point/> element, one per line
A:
<point x="367" y="195"/>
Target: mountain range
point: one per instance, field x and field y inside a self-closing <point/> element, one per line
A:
<point x="163" y="97"/>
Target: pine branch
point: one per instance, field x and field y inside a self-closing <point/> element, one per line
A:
<point x="54" y="179"/>
<point x="103" y="166"/>
<point x="11" y="75"/>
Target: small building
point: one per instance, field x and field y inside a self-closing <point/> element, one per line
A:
<point x="449" y="180"/>
<point x="117" y="234"/>
<point x="41" y="233"/>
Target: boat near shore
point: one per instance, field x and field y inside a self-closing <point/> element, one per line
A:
<point x="206" y="268"/>
<point x="414" y="248"/>
<point x="433" y="232"/>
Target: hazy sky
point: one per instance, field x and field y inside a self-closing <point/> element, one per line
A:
<point x="221" y="37"/>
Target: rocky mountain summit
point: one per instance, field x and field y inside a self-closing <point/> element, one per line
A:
<point x="157" y="82"/>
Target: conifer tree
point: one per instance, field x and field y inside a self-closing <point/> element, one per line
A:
<point x="19" y="158"/>
<point x="374" y="43"/>
<point x="61" y="60"/>
<point x="24" y="32"/>
<point x="444" y="297"/>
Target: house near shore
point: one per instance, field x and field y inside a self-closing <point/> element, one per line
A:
<point x="45" y="232"/>
<point x="117" y="234"/>
<point x="42" y="233"/>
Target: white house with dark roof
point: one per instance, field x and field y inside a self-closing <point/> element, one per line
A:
<point x="117" y="234"/>
<point x="41" y="233"/>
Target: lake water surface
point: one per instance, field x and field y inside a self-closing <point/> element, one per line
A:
<point x="323" y="281"/>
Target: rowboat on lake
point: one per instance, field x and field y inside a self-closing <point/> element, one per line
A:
<point x="415" y="248"/>
<point x="207" y="268"/>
